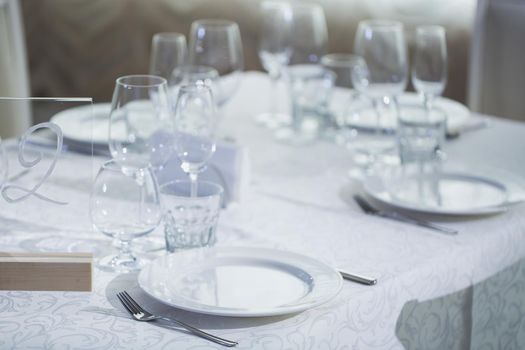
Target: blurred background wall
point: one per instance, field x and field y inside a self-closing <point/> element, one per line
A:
<point x="79" y="47"/>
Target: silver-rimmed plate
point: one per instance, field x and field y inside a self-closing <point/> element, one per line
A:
<point x="240" y="281"/>
<point x="446" y="193"/>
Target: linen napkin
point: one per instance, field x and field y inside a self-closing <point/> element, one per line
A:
<point x="229" y="167"/>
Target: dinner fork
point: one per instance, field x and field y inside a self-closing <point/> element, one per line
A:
<point x="370" y="210"/>
<point x="140" y="314"/>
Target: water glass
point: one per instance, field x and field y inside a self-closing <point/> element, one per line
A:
<point x="168" y="51"/>
<point x="310" y="87"/>
<point x="342" y="64"/>
<point x="421" y="134"/>
<point x="190" y="221"/>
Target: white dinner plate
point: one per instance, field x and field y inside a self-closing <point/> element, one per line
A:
<point x="457" y="113"/>
<point x="85" y="124"/>
<point x="240" y="281"/>
<point x="449" y="193"/>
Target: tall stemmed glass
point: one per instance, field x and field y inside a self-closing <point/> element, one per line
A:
<point x="168" y="51"/>
<point x="383" y="76"/>
<point x="309" y="34"/>
<point x="195" y="126"/>
<point x="429" y="71"/>
<point x="217" y="43"/>
<point x="274" y="52"/>
<point x="139" y="118"/>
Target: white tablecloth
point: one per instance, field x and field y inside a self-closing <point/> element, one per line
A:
<point x="435" y="291"/>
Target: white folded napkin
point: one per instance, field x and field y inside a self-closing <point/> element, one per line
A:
<point x="229" y="167"/>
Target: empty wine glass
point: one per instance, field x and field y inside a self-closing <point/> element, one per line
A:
<point x="188" y="75"/>
<point x="382" y="76"/>
<point x="274" y="52"/>
<point x="124" y="207"/>
<point x="309" y="35"/>
<point x="195" y="127"/>
<point x="168" y="51"/>
<point x="429" y="71"/>
<point x="140" y="122"/>
<point x="217" y="43"/>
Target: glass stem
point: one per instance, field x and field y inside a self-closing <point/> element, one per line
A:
<point x="428" y="100"/>
<point x="125" y="255"/>
<point x="193" y="184"/>
<point x="274" y="77"/>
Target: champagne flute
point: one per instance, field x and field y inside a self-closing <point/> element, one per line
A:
<point x="168" y="51"/>
<point x="195" y="125"/>
<point x="274" y="52"/>
<point x="124" y="209"/>
<point x="217" y="43"/>
<point x="429" y="72"/>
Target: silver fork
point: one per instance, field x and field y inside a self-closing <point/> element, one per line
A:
<point x="140" y="314"/>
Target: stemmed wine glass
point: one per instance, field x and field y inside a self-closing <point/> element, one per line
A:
<point x="382" y="75"/>
<point x="123" y="208"/>
<point x="168" y="51"/>
<point x="274" y="52"/>
<point x="195" y="125"/>
<point x="140" y="130"/>
<point x="139" y="118"/>
<point x="429" y="71"/>
<point x="217" y="43"/>
<point x="309" y="35"/>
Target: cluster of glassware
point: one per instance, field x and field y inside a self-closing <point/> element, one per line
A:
<point x="293" y="45"/>
<point x="170" y="111"/>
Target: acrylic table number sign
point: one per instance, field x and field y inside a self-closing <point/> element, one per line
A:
<point x="48" y="161"/>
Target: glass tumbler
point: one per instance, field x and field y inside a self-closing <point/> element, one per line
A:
<point x="190" y="221"/>
<point x="420" y="136"/>
<point x="310" y="89"/>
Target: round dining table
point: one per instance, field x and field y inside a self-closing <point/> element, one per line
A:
<point x="434" y="291"/>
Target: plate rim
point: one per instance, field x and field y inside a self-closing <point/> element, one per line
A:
<point x="487" y="210"/>
<point x="75" y="110"/>
<point x="243" y="250"/>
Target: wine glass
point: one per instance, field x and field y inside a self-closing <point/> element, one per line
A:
<point x="139" y="122"/>
<point x="123" y="208"/>
<point x="429" y="72"/>
<point x="382" y="76"/>
<point x="188" y="75"/>
<point x="309" y="35"/>
<point x="195" y="127"/>
<point x="217" y="43"/>
<point x="274" y="52"/>
<point x="168" y="51"/>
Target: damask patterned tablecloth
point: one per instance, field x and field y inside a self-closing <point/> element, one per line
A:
<point x="435" y="291"/>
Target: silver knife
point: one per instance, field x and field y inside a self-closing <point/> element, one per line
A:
<point x="358" y="278"/>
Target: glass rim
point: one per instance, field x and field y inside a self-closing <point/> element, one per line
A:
<point x="215" y="23"/>
<point x="155" y="80"/>
<point x="380" y="24"/>
<point x="310" y="70"/>
<point x="340" y="59"/>
<point x="216" y="186"/>
<point x="195" y="68"/>
<point x="430" y="28"/>
<point x="164" y="36"/>
<point x="434" y="116"/>
<point x="196" y="86"/>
